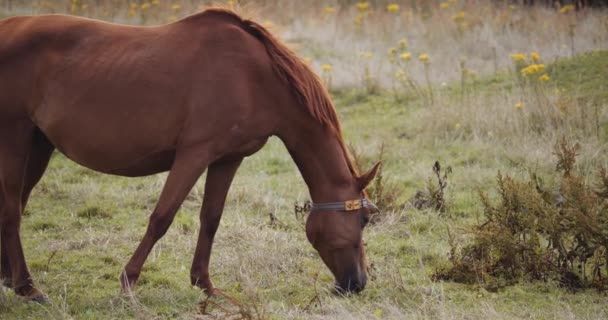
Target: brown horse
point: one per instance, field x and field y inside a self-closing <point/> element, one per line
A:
<point x="203" y="92"/>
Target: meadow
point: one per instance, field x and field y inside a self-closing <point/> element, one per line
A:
<point x="481" y="87"/>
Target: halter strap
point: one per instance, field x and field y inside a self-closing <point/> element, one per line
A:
<point x="349" y="205"/>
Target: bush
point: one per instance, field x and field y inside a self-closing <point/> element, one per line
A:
<point x="533" y="233"/>
<point x="434" y="195"/>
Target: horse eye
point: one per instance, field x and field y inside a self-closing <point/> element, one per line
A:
<point x="364" y="220"/>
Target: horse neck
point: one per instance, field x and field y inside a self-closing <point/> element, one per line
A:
<point x="318" y="153"/>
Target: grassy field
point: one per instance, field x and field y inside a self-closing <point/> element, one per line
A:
<point x="81" y="227"/>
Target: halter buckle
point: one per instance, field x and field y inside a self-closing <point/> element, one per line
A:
<point x="352" y="205"/>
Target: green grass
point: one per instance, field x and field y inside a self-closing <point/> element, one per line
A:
<point x="81" y="227"/>
<point x="586" y="76"/>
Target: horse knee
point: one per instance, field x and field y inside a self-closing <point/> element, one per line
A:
<point x="211" y="225"/>
<point x="159" y="224"/>
<point x="10" y="220"/>
<point x="210" y="220"/>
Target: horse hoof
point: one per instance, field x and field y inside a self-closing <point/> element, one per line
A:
<point x="6" y="282"/>
<point x="127" y="293"/>
<point x="29" y="293"/>
<point x="37" y="296"/>
<point x="211" y="292"/>
<point x="41" y="299"/>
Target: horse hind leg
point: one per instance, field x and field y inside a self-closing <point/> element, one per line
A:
<point x="6" y="277"/>
<point x="39" y="156"/>
<point x="24" y="156"/>
<point x="37" y="162"/>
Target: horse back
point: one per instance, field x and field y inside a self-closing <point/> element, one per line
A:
<point x="29" y="48"/>
<point x="113" y="97"/>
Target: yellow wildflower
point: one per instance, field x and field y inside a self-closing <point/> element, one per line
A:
<point x="378" y="313"/>
<point x="326" y="67"/>
<point x="366" y="54"/>
<point x="533" y="69"/>
<point x="406" y="56"/>
<point x="519" y="106"/>
<point x="423" y="57"/>
<point x="176" y="6"/>
<point x="362" y="6"/>
<point x="329" y="10"/>
<point x="155" y="2"/>
<point x="392" y="54"/>
<point x="268" y="24"/>
<point x="535" y="56"/>
<point x="145" y="6"/>
<point x="444" y="5"/>
<point x="393" y="7"/>
<point x="402" y="44"/>
<point x="518" y="57"/>
<point x="567" y="8"/>
<point x="458" y="17"/>
<point x="544" y="78"/>
<point x="359" y="19"/>
<point x="457" y="125"/>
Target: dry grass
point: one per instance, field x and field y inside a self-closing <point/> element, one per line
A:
<point x="333" y="32"/>
<point x="81" y="227"/>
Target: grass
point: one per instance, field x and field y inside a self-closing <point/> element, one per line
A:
<point x="585" y="77"/>
<point x="81" y="227"/>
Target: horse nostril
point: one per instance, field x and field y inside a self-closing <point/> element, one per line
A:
<point x="363" y="282"/>
<point x="351" y="285"/>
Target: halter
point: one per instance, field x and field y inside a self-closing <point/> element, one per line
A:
<point x="349" y="205"/>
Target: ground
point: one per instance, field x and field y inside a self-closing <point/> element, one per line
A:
<point x="81" y="227"/>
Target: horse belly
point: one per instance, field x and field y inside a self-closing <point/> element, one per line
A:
<point x="138" y="166"/>
<point x="111" y="152"/>
<point x="152" y="164"/>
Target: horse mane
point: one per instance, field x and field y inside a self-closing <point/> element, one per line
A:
<point x="302" y="81"/>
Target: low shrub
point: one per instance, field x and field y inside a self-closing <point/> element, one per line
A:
<point x="534" y="232"/>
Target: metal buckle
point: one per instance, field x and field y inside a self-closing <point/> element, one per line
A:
<point x="352" y="205"/>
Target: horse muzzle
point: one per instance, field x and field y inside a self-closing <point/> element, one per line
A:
<point x="351" y="283"/>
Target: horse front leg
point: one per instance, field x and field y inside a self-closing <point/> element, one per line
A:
<point x="219" y="179"/>
<point x="186" y="169"/>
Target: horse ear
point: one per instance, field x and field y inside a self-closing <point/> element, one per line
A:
<point x="364" y="179"/>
